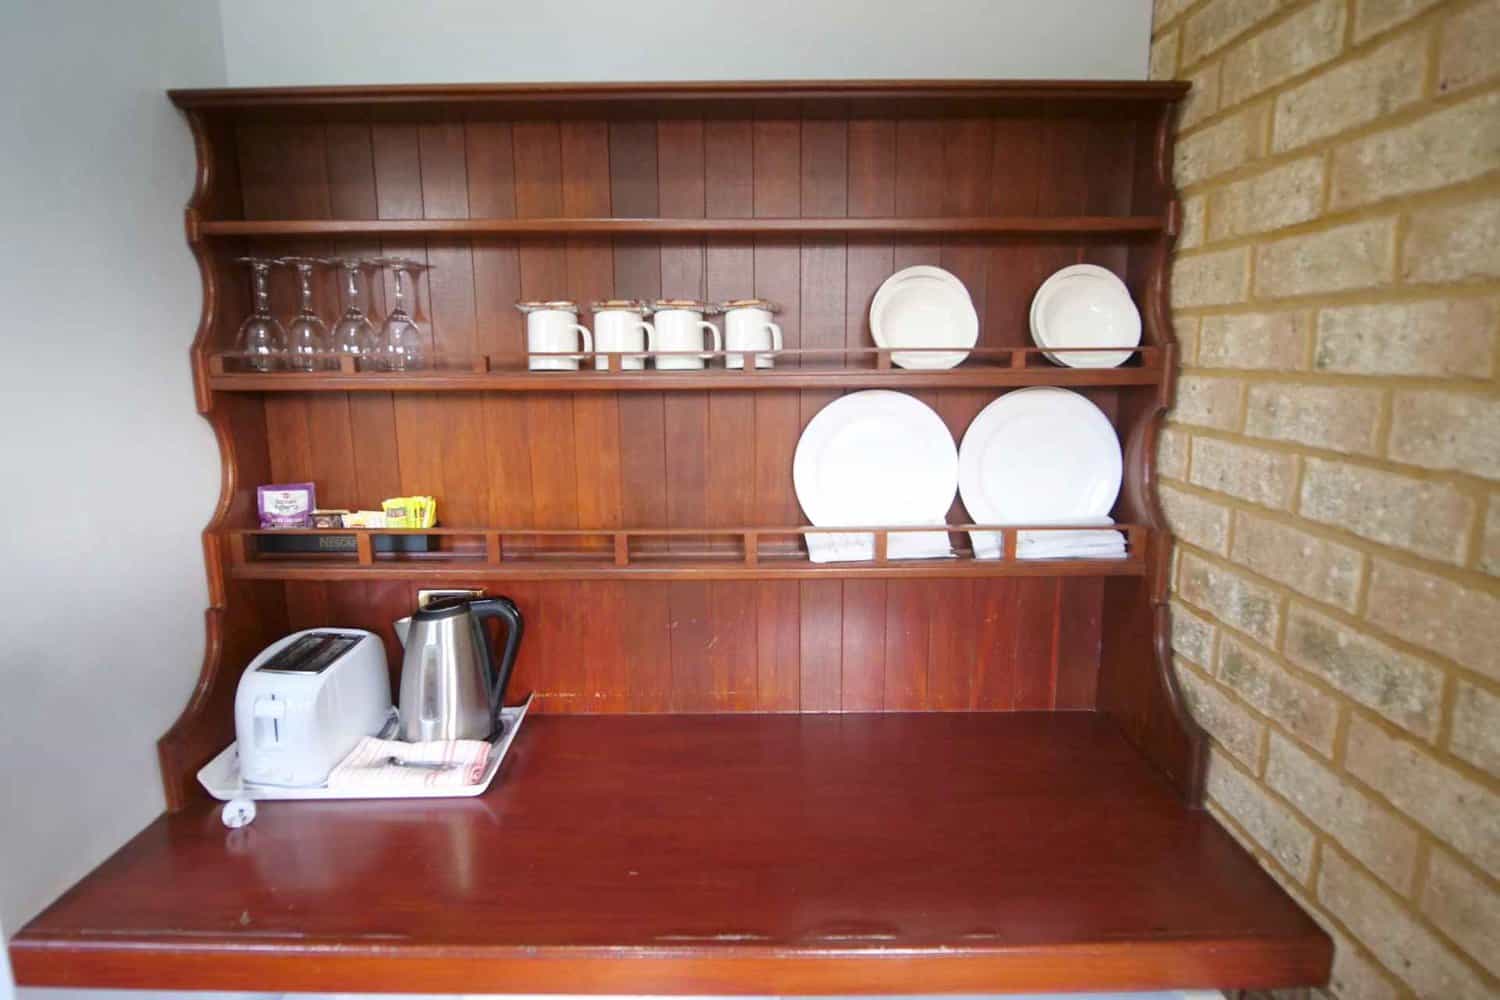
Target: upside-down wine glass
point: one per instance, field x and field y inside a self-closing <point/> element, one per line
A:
<point x="307" y="334"/>
<point x="261" y="341"/>
<point x="354" y="334"/>
<point x="401" y="347"/>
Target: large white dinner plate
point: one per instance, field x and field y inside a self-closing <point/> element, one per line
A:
<point x="929" y="308"/>
<point x="1086" y="310"/>
<point x="1042" y="455"/>
<point x="876" y="458"/>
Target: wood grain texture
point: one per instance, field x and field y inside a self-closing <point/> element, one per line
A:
<point x="859" y="854"/>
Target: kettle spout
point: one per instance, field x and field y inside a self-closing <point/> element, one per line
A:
<point x="402" y="626"/>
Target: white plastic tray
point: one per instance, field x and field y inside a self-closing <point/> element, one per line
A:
<point x="221" y="776"/>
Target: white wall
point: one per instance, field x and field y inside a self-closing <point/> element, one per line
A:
<point x="288" y="42"/>
<point x="109" y="474"/>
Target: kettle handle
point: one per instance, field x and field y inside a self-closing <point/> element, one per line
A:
<point x="505" y="609"/>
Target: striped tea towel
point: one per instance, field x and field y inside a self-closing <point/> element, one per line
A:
<point x="368" y="767"/>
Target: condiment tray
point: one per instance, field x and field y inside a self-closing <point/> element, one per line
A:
<point x="221" y="776"/>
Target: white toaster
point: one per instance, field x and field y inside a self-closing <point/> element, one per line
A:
<point x="306" y="700"/>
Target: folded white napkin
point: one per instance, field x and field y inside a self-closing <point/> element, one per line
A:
<point x="368" y="766"/>
<point x="1079" y="544"/>
<point x="859" y="546"/>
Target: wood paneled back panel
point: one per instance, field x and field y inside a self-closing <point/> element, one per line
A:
<point x="684" y="459"/>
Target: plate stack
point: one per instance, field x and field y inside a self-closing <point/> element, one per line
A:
<point x="1042" y="456"/>
<point x="924" y="307"/>
<point x="1085" y="306"/>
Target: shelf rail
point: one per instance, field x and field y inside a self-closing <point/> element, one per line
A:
<point x="827" y="367"/>
<point x="661" y="553"/>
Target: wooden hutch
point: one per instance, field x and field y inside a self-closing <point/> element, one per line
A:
<point x="746" y="773"/>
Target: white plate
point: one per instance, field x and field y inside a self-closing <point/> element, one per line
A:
<point x="1042" y="455"/>
<point x="221" y="776"/>
<point x="877" y="458"/>
<point x="1086" y="310"/>
<point x="926" y="271"/>
<point x="1066" y="272"/>
<point x="924" y="310"/>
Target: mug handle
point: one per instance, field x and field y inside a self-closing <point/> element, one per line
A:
<point x="650" y="335"/>
<point x="585" y="337"/>
<point x="775" y="336"/>
<point x="718" y="341"/>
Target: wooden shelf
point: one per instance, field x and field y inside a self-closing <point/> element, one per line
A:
<point x="842" y="368"/>
<point x="1017" y="225"/>
<point x="757" y="553"/>
<point x="860" y="854"/>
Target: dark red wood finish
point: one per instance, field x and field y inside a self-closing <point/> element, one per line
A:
<point x="909" y="853"/>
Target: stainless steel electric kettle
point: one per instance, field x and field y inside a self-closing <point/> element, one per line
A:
<point x="448" y="691"/>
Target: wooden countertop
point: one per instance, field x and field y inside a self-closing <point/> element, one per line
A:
<point x="707" y="854"/>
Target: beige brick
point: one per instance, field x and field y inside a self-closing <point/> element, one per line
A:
<point x="1219" y="22"/>
<point x="1210" y="279"/>
<point x="1274" y="341"/>
<point x="1240" y="470"/>
<point x="1436" y="614"/>
<point x="1352" y="93"/>
<point x="1269" y="687"/>
<point x="1195" y="520"/>
<point x="1192" y="223"/>
<point x="1283" y="196"/>
<point x="1429" y="518"/>
<point x="1447" y="147"/>
<point x="1202" y="98"/>
<point x="1231" y="726"/>
<point x="1408" y="948"/>
<point x="1444" y="338"/>
<point x="1308" y="38"/>
<point x="1229" y="597"/>
<point x="1221" y="146"/>
<point x="1357" y="255"/>
<point x="1364" y="827"/>
<point x="1172" y="453"/>
<point x="1447" y="430"/>
<point x="1372" y="16"/>
<point x="1185" y="332"/>
<point x="1355" y="976"/>
<point x="1208" y="402"/>
<point x="1163" y="64"/>
<point x="1323" y="570"/>
<point x="1269" y="823"/>
<point x="1467" y="46"/>
<point x="1402" y="688"/>
<point x="1489" y="551"/>
<point x="1465" y="908"/>
<point x="1193" y="635"/>
<point x="1459" y="811"/>
<point x="1454" y="243"/>
<point x="1476" y="727"/>
<point x="1165" y="10"/>
<point x="1341" y="418"/>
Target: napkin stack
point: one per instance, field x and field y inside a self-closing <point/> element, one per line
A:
<point x="368" y="767"/>
<point x="1064" y="544"/>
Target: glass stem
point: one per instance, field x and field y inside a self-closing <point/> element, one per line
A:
<point x="304" y="276"/>
<point x="400" y="307"/>
<point x="262" y="284"/>
<point x="353" y="275"/>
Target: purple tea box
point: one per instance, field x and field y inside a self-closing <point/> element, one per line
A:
<point x="285" y="505"/>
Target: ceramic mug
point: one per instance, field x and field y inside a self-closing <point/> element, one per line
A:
<point x="748" y="326"/>
<point x="680" y="326"/>
<point x="553" y="328"/>
<point x="620" y="327"/>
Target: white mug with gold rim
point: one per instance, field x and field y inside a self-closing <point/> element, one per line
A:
<point x="680" y="326"/>
<point x="748" y="327"/>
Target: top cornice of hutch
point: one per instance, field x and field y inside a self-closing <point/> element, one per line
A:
<point x="573" y="98"/>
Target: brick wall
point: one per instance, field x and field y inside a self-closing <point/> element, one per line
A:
<point x="1332" y="466"/>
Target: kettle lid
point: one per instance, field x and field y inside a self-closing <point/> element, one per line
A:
<point x="443" y="607"/>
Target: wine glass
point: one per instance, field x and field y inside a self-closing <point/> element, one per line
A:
<point x="261" y="340"/>
<point x="354" y="334"/>
<point x="401" y="346"/>
<point x="307" y="334"/>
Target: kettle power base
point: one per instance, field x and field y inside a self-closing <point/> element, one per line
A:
<point x="221" y="776"/>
